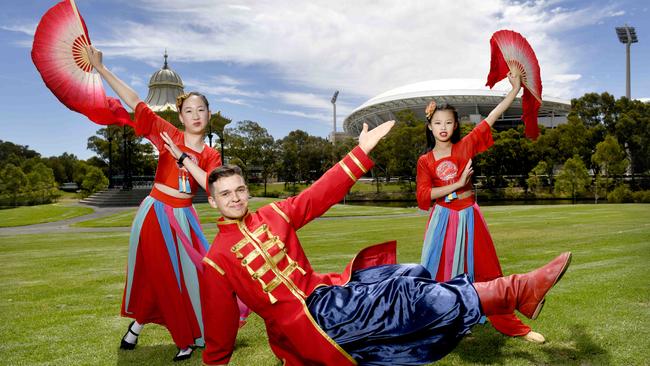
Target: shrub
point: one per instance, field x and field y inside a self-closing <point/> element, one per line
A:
<point x="641" y="196"/>
<point x="622" y="193"/>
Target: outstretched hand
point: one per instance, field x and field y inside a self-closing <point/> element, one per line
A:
<point x="171" y="146"/>
<point x="94" y="56"/>
<point x="514" y="77"/>
<point x="369" y="139"/>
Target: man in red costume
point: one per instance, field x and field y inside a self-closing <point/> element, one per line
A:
<point x="374" y="313"/>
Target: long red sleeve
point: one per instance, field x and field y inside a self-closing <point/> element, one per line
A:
<point x="150" y="125"/>
<point x="220" y="315"/>
<point x="423" y="184"/>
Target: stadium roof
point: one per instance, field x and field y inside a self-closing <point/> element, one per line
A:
<point x="472" y="100"/>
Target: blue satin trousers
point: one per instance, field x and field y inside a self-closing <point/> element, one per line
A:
<point x="396" y="314"/>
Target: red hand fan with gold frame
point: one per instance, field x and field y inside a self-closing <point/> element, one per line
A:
<point x="511" y="51"/>
<point x="59" y="56"/>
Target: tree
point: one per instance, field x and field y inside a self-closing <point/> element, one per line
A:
<point x="252" y="148"/>
<point x="398" y="153"/>
<point x="63" y="167"/>
<point x="8" y="148"/>
<point x="141" y="156"/>
<point x="42" y="183"/>
<point x="342" y="146"/>
<point x="595" y="109"/>
<point x="610" y="157"/>
<point x="633" y="133"/>
<point x="405" y="144"/>
<point x="511" y="154"/>
<point x="94" y="180"/>
<point x="303" y="157"/>
<point x="573" y="178"/>
<point x="600" y="187"/>
<point x="292" y="162"/>
<point x="217" y="125"/>
<point x="538" y="177"/>
<point x="567" y="140"/>
<point x="13" y="181"/>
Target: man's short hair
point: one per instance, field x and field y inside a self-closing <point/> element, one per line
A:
<point x="223" y="171"/>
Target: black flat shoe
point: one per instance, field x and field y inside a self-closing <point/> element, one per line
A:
<point x="127" y="345"/>
<point x="184" y="357"/>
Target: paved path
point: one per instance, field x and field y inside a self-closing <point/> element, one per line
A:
<point x="64" y="225"/>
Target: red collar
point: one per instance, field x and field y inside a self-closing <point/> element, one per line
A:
<point x="226" y="224"/>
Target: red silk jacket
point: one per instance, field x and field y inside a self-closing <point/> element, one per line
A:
<point x="260" y="259"/>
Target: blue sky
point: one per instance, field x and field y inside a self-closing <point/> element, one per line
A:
<point x="278" y="62"/>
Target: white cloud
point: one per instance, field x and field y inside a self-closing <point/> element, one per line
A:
<point x="219" y="90"/>
<point x="313" y="102"/>
<point x="322" y="117"/>
<point x="227" y="80"/>
<point x="563" y="78"/>
<point x="239" y="7"/>
<point x="234" y="101"/>
<point x="361" y="48"/>
<point x="307" y="100"/>
<point x="27" y="28"/>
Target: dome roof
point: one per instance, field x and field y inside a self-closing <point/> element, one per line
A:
<point x="164" y="86"/>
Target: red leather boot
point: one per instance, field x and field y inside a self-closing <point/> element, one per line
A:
<point x="522" y="292"/>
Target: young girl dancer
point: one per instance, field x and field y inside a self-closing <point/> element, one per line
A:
<point x="457" y="239"/>
<point x="167" y="243"/>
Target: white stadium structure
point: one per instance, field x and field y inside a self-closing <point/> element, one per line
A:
<point x="472" y="100"/>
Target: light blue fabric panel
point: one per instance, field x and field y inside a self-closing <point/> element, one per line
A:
<point x="434" y="239"/>
<point x="169" y="239"/>
<point x="134" y="241"/>
<point x="458" y="266"/>
<point x="190" y="275"/>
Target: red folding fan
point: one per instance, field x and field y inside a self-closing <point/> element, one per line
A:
<point x="511" y="51"/>
<point x="59" y="57"/>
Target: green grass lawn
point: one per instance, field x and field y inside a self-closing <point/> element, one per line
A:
<point x="257" y="189"/>
<point x="208" y="215"/>
<point x="61" y="293"/>
<point x="29" y="215"/>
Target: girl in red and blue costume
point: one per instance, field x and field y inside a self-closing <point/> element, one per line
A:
<point x="457" y="240"/>
<point x="164" y="270"/>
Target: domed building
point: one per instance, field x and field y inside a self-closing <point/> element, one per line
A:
<point x="472" y="100"/>
<point x="164" y="86"/>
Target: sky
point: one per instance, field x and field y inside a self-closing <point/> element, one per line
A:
<point x="278" y="62"/>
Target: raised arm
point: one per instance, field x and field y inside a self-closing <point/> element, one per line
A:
<point x="128" y="95"/>
<point x="515" y="81"/>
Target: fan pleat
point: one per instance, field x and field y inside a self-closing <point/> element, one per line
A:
<point x="59" y="57"/>
<point x="510" y="50"/>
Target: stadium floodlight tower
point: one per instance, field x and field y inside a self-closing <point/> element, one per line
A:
<point x="627" y="35"/>
<point x="336" y="94"/>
